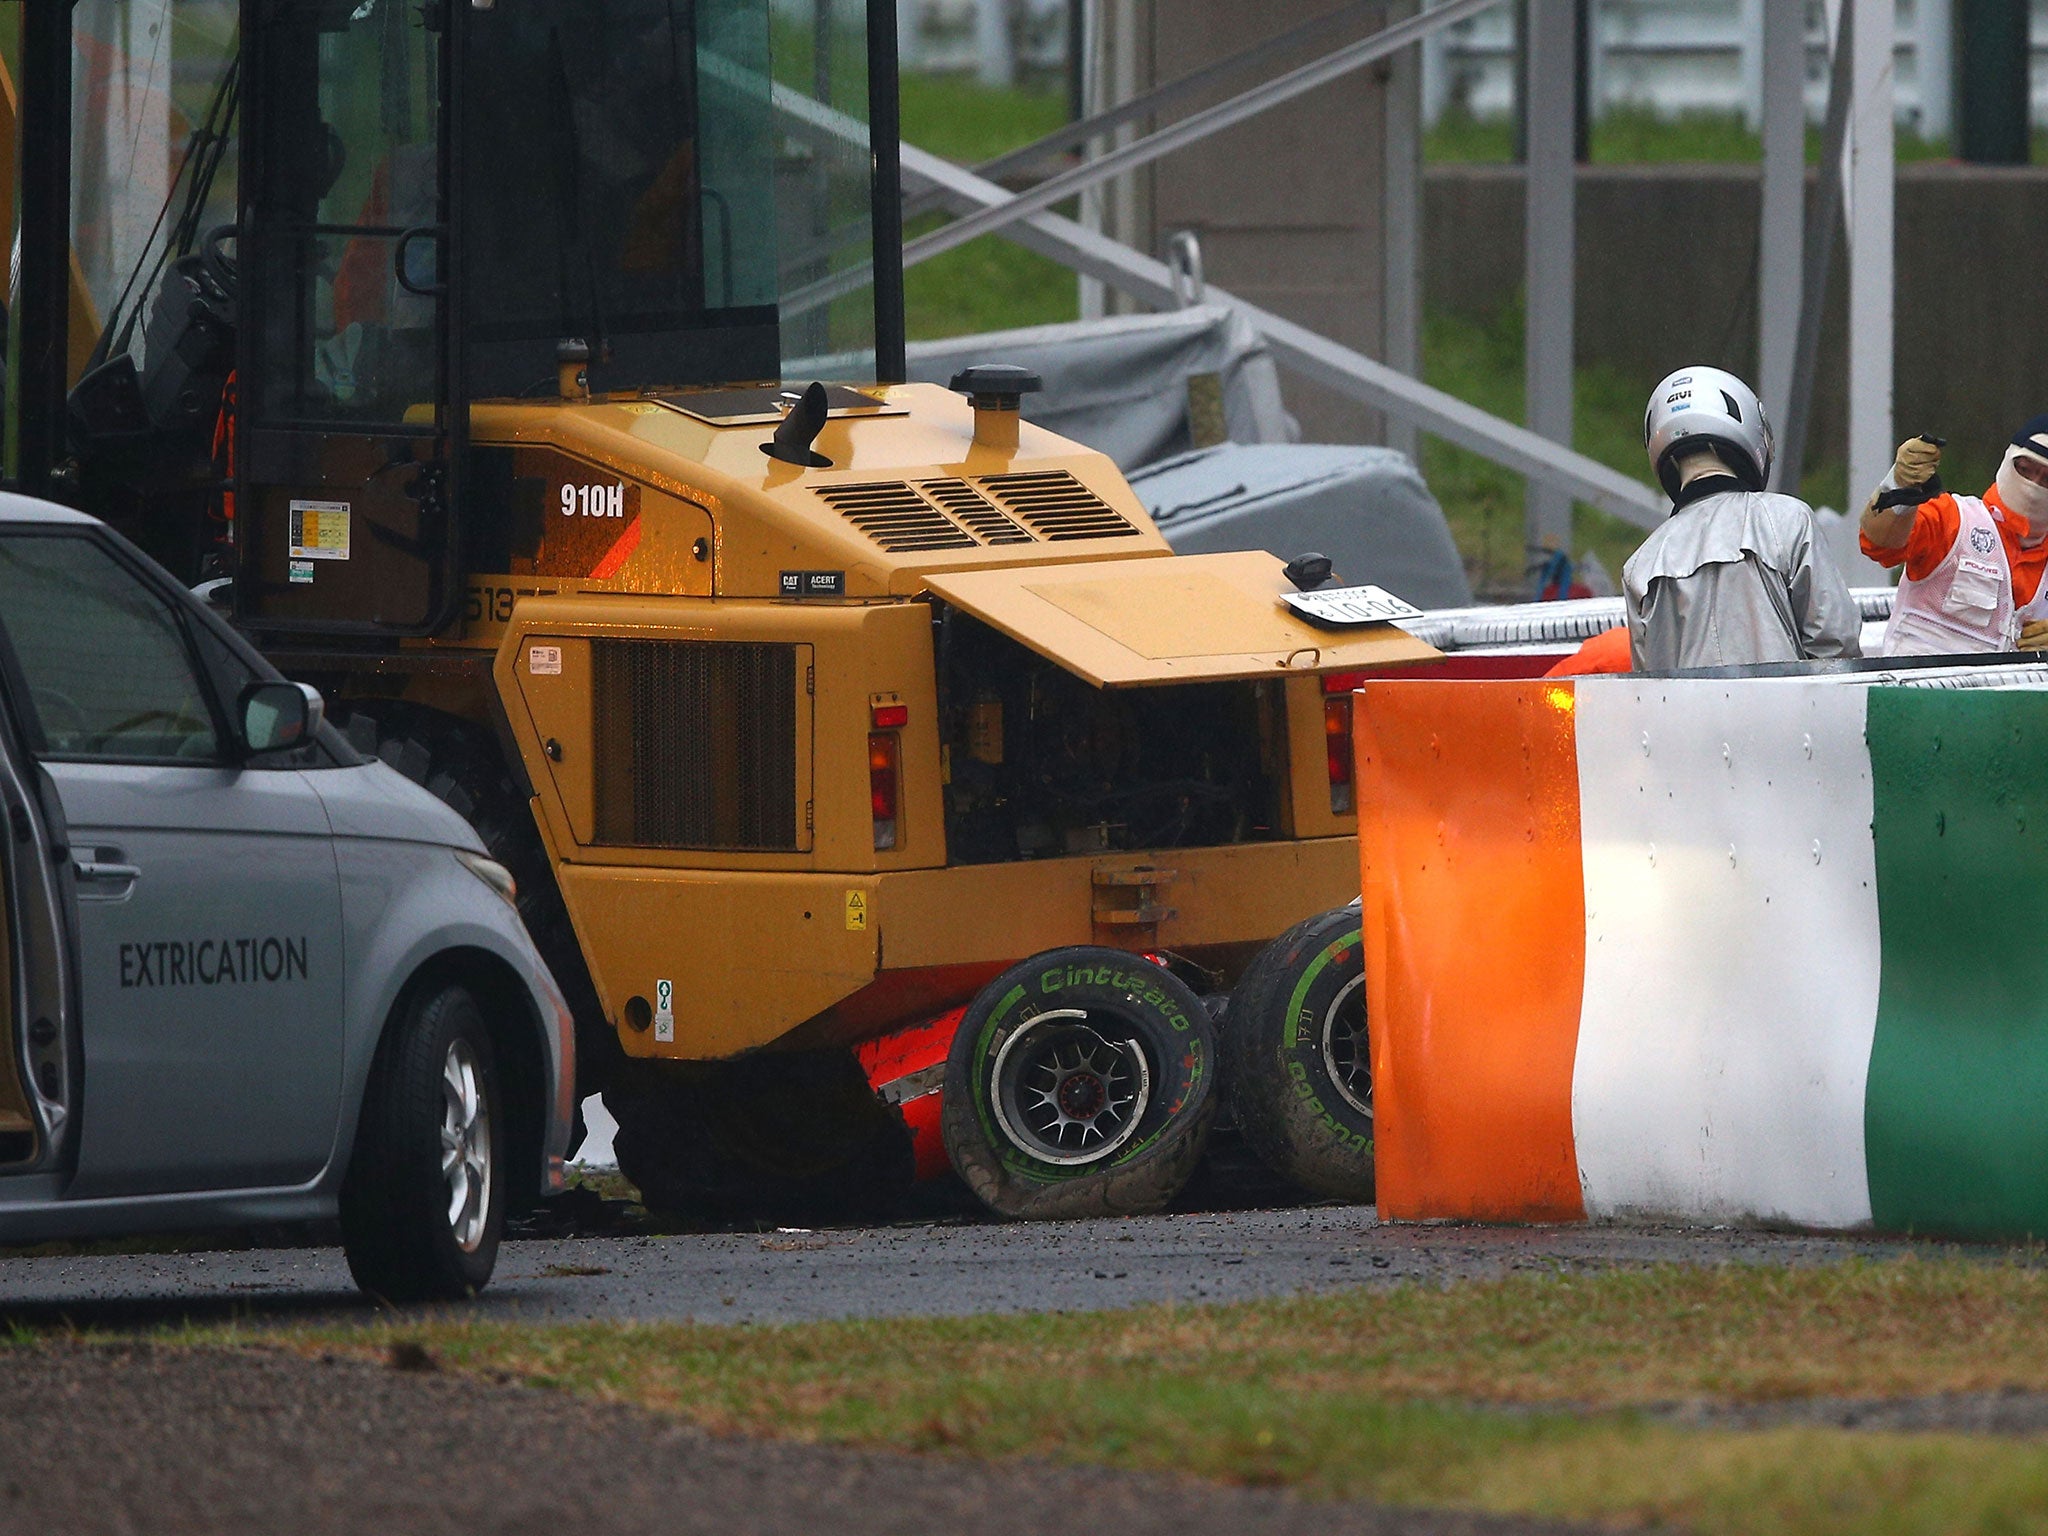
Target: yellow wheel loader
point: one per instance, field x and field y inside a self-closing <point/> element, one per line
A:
<point x="522" y="373"/>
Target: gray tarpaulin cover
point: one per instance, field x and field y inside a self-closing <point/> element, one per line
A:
<point x="1366" y="508"/>
<point x="1121" y="385"/>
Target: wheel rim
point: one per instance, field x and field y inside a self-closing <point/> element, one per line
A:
<point x="1347" y="1054"/>
<point x="465" y="1146"/>
<point x="1070" y="1088"/>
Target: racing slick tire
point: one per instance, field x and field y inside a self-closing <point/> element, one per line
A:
<point x="1297" y="1056"/>
<point x="423" y="1202"/>
<point x="1081" y="1083"/>
<point x="462" y="766"/>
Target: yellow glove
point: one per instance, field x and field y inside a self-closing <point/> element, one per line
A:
<point x="1919" y="459"/>
<point x="2034" y="635"/>
<point x="1914" y="478"/>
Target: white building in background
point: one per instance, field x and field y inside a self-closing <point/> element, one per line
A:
<point x="1670" y="56"/>
<point x="1678" y="56"/>
<point x="995" y="39"/>
<point x="963" y="35"/>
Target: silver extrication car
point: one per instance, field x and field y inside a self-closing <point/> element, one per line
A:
<point x="251" y="976"/>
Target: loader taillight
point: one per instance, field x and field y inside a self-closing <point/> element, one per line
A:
<point x="1337" y="749"/>
<point x="884" y="753"/>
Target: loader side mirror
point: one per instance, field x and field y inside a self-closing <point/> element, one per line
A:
<point x="279" y="716"/>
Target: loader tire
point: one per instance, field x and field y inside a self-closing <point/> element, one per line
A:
<point x="795" y="1137"/>
<point x="1081" y="1083"/>
<point x="463" y="766"/>
<point x="1297" y="1058"/>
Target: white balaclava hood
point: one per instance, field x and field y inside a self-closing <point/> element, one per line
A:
<point x="2020" y="494"/>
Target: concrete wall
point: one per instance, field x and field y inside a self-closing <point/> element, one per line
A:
<point x="1287" y="205"/>
<point x="1667" y="263"/>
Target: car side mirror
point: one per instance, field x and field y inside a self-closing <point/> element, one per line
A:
<point x="278" y="716"/>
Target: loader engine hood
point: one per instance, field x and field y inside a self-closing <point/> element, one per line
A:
<point x="1192" y="619"/>
<point x="908" y="492"/>
<point x="1046" y="543"/>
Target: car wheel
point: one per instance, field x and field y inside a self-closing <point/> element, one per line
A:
<point x="1298" y="1057"/>
<point x="423" y="1204"/>
<point x="1081" y="1083"/>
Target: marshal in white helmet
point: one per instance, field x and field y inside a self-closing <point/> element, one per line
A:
<point x="1739" y="575"/>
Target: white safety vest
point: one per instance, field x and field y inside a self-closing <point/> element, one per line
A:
<point x="2037" y="609"/>
<point x="1965" y="604"/>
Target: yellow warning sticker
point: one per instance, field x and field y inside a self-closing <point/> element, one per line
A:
<point x="856" y="911"/>
<point x="319" y="530"/>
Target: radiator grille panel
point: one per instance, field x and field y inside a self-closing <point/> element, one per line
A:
<point x="1056" y="506"/>
<point x="895" y="516"/>
<point x="696" y="744"/>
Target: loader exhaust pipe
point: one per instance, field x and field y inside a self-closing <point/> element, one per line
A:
<point x="997" y="391"/>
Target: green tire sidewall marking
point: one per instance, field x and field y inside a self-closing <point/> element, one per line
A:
<point x="1287" y="1056"/>
<point x="984" y="1099"/>
<point x="1136" y="984"/>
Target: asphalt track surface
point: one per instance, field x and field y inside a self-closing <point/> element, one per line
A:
<point x="907" y="1270"/>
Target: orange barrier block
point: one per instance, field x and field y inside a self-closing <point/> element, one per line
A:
<point x="1468" y="835"/>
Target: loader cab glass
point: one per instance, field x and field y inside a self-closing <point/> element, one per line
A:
<point x="435" y="198"/>
<point x="620" y="190"/>
<point x="613" y="172"/>
<point x="347" y="209"/>
<point x="311" y="233"/>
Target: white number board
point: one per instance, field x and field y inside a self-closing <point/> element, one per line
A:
<point x="1350" y="607"/>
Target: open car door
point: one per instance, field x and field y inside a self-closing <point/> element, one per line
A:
<point x="1187" y="619"/>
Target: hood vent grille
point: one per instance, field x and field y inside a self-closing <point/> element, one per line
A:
<point x="1023" y="508"/>
<point x="988" y="522"/>
<point x="1056" y="506"/>
<point x="895" y="516"/>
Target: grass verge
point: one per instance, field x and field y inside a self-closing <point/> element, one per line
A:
<point x="1481" y="362"/>
<point x="988" y="284"/>
<point x="1516" y="1395"/>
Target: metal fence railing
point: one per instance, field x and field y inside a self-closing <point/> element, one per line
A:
<point x="1678" y="56"/>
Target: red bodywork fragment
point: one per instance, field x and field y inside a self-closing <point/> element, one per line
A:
<point x="907" y="1069"/>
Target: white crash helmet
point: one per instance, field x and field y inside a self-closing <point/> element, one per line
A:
<point x="1706" y="403"/>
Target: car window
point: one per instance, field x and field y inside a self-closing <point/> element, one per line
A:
<point x="104" y="657"/>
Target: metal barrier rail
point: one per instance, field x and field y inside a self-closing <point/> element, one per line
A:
<point x="1573" y="619"/>
<point x="1311" y="355"/>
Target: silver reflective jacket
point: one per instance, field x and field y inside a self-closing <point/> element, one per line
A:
<point x="1734" y="579"/>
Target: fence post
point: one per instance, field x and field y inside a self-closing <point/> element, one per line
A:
<point x="994" y="50"/>
<point x="1994" y="58"/>
<point x="1781" y="249"/>
<point x="1873" y="166"/>
<point x="1550" y="117"/>
<point x="1934" y="68"/>
<point x="1401" y="245"/>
